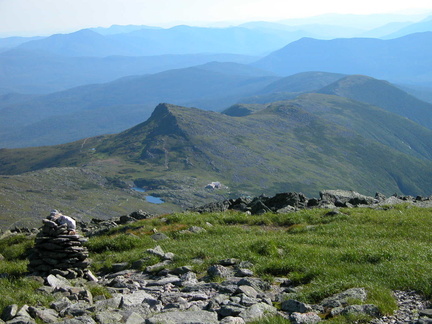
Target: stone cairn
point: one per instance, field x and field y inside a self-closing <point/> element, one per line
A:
<point x="57" y="252"/>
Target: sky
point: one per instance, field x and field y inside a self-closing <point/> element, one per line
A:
<point x="42" y="17"/>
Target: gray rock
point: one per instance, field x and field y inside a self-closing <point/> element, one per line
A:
<point x="426" y="312"/>
<point x="134" y="318"/>
<point x="230" y="310"/>
<point x="21" y="320"/>
<point x="170" y="279"/>
<point x="423" y="321"/>
<point x="58" y="282"/>
<point x="256" y="283"/>
<point x="117" y="267"/>
<point x="61" y="304"/>
<point x="294" y="306"/>
<point x="342" y="298"/>
<point x="9" y="312"/>
<point x="135" y="299"/>
<point x="90" y="276"/>
<point x="184" y="317"/>
<point x="44" y="314"/>
<point x="245" y="265"/>
<point x="196" y="229"/>
<point x="79" y="320"/>
<point x="156" y="251"/>
<point x="229" y="262"/>
<point x="159" y="237"/>
<point x="232" y="320"/>
<point x="139" y="264"/>
<point x="23" y="312"/>
<point x="158" y="266"/>
<point x="188" y="279"/>
<point x="76" y="310"/>
<point x="247" y="301"/>
<point x="244" y="273"/>
<point x="181" y="270"/>
<point x="341" y="197"/>
<point x="336" y="311"/>
<point x="108" y="317"/>
<point x="218" y="270"/>
<point x="169" y="256"/>
<point x="111" y="303"/>
<point x="247" y="290"/>
<point x="368" y="309"/>
<point x="304" y="318"/>
<point x="257" y="311"/>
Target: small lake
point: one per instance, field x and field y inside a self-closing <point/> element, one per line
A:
<point x="150" y="199"/>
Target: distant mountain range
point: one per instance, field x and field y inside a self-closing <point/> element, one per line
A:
<point x="37" y="67"/>
<point x="401" y="60"/>
<point x="33" y="72"/>
<point x="175" y="40"/>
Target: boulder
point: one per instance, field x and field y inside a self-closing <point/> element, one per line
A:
<point x="341" y="198"/>
<point x="294" y="306"/>
<point x="9" y="312"/>
<point x="43" y="314"/>
<point x="108" y="317"/>
<point x="257" y="311"/>
<point x="58" y="282"/>
<point x="368" y="309"/>
<point x="218" y="270"/>
<point x="157" y="251"/>
<point x="304" y="318"/>
<point x="342" y="298"/>
<point x="232" y="320"/>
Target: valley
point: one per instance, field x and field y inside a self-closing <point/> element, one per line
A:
<point x="310" y="108"/>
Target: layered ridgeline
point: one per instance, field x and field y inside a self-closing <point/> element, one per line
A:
<point x="400" y="60"/>
<point x="312" y="143"/>
<point x="113" y="107"/>
<point x="108" y="108"/>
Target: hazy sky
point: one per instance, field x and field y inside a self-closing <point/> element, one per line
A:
<point x="24" y="17"/>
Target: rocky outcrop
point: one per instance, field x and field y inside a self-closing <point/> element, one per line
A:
<point x="99" y="226"/>
<point x="57" y="252"/>
<point x="293" y="201"/>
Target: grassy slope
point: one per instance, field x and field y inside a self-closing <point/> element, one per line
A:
<point x="292" y="149"/>
<point x="371" y="122"/>
<point x="361" y="247"/>
<point x="180" y="150"/>
<point x="384" y="95"/>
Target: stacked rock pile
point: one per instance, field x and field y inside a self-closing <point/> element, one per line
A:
<point x="57" y="252"/>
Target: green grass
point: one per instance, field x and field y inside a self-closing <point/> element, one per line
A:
<point x="381" y="250"/>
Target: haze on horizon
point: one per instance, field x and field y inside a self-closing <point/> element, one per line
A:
<point x="42" y="17"/>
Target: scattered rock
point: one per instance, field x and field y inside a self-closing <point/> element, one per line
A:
<point x="184" y="317"/>
<point x="159" y="237"/>
<point x="294" y="306"/>
<point x="304" y="318"/>
<point x="9" y="312"/>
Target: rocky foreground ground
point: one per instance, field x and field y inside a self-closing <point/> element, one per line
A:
<point x="159" y="295"/>
<point x="229" y="293"/>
